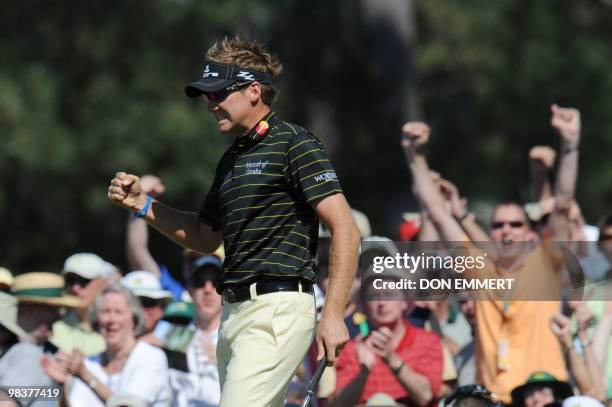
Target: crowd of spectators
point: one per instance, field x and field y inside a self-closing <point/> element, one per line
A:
<point x="148" y="338"/>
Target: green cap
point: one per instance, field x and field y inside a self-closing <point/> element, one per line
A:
<point x="180" y="310"/>
<point x="537" y="380"/>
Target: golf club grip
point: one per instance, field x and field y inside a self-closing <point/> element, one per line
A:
<point x="314" y="382"/>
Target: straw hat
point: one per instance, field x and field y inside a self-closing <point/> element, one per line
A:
<point x="6" y="277"/>
<point x="42" y="288"/>
<point x="8" y="315"/>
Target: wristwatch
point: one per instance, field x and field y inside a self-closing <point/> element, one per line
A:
<point x="397" y="366"/>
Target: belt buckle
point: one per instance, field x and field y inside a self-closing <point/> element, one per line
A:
<point x="229" y="295"/>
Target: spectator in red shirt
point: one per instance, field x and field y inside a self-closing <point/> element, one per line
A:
<point x="396" y="358"/>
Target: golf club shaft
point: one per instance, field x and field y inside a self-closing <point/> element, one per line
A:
<point x="314" y="382"/>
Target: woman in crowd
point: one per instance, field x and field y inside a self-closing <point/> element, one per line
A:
<point x="127" y="368"/>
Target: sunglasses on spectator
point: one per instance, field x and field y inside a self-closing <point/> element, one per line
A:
<point x="74" y="279"/>
<point x="199" y="279"/>
<point x="514" y="224"/>
<point x="147" y="302"/>
<point x="220" y="95"/>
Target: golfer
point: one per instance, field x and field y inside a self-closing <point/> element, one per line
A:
<point x="270" y="189"/>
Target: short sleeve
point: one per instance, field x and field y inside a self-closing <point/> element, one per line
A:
<point x="209" y="214"/>
<point x="310" y="171"/>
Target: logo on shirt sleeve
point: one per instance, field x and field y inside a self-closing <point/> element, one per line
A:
<point x="326" y="177"/>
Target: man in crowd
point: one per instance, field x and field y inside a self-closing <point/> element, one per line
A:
<point x="396" y="357"/>
<point x="10" y="331"/>
<point x="270" y="189"/>
<point x="504" y="354"/>
<point x="198" y="381"/>
<point x="153" y="299"/>
<point x="40" y="301"/>
<point x="85" y="275"/>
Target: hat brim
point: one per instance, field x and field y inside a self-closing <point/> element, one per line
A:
<point x="561" y="390"/>
<point x="155" y="295"/>
<point x="64" y="301"/>
<point x="14" y="328"/>
<point x="88" y="276"/>
<point x="184" y="313"/>
<point x="205" y="85"/>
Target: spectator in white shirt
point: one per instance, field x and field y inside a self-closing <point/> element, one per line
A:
<point x="127" y="367"/>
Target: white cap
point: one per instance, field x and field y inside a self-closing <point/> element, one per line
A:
<point x="145" y="284"/>
<point x="581" y="401"/>
<point x="125" y="400"/>
<point x="87" y="265"/>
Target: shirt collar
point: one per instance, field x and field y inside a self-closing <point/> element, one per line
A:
<point x="259" y="131"/>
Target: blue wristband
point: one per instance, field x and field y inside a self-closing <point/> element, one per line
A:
<point x="143" y="212"/>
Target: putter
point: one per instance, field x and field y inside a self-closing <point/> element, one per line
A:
<point x="310" y="393"/>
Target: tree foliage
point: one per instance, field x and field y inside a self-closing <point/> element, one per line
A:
<point x="89" y="88"/>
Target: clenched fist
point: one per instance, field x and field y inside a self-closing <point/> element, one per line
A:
<point x="415" y="134"/>
<point x="567" y="122"/>
<point x="543" y="156"/>
<point x="126" y="191"/>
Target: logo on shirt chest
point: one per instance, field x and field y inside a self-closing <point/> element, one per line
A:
<point x="255" y="167"/>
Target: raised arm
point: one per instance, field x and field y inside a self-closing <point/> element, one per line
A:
<point x="137" y="232"/>
<point x="602" y="335"/>
<point x="182" y="227"/>
<point x="459" y="210"/>
<point x="428" y="232"/>
<point x="416" y="134"/>
<point x="541" y="161"/>
<point x="597" y="388"/>
<point x="567" y="123"/>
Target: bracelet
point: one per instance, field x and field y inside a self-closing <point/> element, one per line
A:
<point x="567" y="150"/>
<point x="143" y="212"/>
<point x="461" y="218"/>
<point x="93" y="383"/>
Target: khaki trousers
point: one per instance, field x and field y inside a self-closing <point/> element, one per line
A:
<point x="262" y="341"/>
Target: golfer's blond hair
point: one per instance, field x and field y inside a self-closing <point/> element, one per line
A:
<point x="250" y="55"/>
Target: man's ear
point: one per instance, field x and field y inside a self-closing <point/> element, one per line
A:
<point x="254" y="92"/>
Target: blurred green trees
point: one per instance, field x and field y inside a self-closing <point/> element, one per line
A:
<point x="89" y="88"/>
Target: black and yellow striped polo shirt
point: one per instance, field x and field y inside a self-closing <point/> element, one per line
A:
<point x="261" y="201"/>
